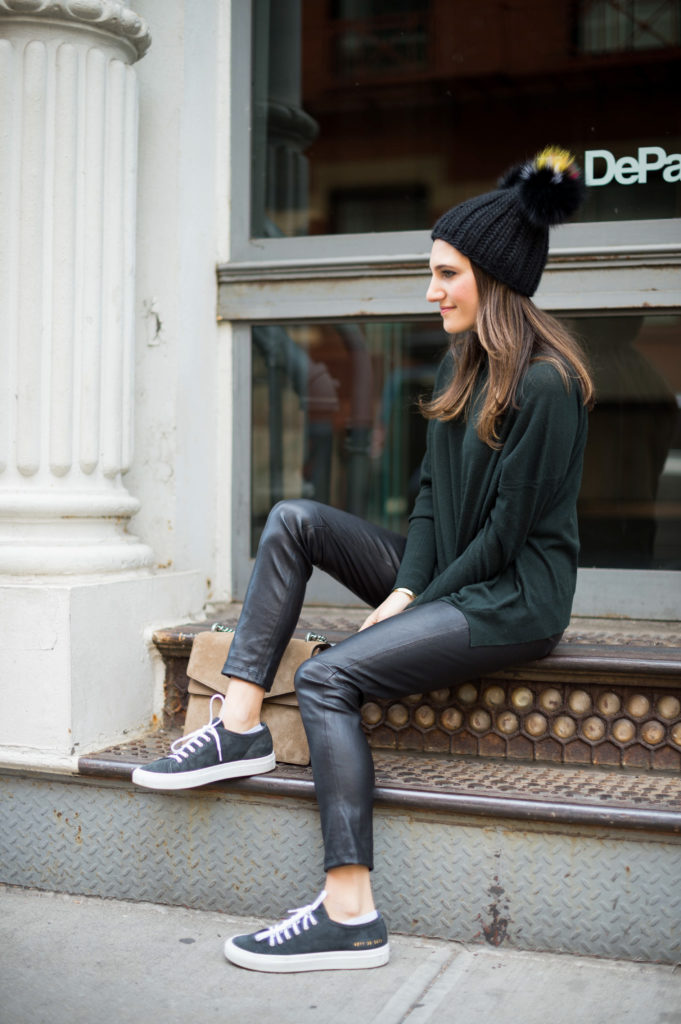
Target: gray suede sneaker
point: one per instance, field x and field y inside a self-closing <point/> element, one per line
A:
<point x="310" y="941"/>
<point x="209" y="755"/>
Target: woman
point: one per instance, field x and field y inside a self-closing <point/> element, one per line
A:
<point x="485" y="577"/>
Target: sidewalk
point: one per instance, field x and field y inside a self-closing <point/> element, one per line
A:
<point x="81" y="960"/>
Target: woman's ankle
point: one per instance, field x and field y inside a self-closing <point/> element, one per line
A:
<point x="242" y="706"/>
<point x="235" y="724"/>
<point x="348" y="893"/>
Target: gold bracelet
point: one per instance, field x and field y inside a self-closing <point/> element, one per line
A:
<point x="405" y="590"/>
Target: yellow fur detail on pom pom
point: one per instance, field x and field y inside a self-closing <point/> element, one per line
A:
<point x="555" y="158"/>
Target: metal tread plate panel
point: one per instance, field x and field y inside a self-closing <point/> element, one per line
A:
<point x="475" y="786"/>
<point x="527" y="886"/>
<point x="337" y="622"/>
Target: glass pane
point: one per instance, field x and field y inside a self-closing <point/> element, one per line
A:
<point x="372" y="115"/>
<point x="630" y="503"/>
<point x="335" y="419"/>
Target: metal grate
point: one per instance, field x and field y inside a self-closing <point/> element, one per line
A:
<point x="451" y="776"/>
<point x="617" y="726"/>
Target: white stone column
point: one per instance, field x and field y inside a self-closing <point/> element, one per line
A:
<point x="78" y="593"/>
<point x="68" y="175"/>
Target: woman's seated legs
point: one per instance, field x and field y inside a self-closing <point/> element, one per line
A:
<point x="426" y="648"/>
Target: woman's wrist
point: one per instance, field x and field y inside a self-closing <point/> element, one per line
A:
<point x="406" y="591"/>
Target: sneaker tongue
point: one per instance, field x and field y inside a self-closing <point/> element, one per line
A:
<point x="300" y="919"/>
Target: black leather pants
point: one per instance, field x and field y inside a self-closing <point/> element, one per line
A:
<point x="426" y="648"/>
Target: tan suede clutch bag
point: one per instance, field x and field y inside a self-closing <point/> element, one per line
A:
<point x="280" y="708"/>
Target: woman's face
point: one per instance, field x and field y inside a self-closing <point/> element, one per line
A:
<point x="453" y="287"/>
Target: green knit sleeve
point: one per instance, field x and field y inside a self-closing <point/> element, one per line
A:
<point x="418" y="563"/>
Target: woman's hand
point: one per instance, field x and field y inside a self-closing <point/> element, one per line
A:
<point x="393" y="605"/>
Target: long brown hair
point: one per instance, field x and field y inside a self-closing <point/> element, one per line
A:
<point x="513" y="333"/>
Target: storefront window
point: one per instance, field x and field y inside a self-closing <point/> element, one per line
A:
<point x="335" y="419"/>
<point x="630" y="502"/>
<point x="618" y="26"/>
<point x="376" y="116"/>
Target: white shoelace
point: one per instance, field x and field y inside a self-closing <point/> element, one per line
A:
<point x="186" y="745"/>
<point x="301" y="919"/>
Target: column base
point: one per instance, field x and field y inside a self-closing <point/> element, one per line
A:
<point x="78" y="668"/>
<point x="71" y="559"/>
<point x="47" y="533"/>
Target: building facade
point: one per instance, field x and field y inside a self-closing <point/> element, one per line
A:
<point x="214" y="264"/>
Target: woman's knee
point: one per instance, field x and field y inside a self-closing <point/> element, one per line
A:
<point x="309" y="681"/>
<point x="292" y="515"/>
<point x="319" y="682"/>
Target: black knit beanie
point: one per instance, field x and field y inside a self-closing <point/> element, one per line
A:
<point x="506" y="232"/>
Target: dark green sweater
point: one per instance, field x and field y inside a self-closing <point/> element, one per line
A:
<point x="495" y="532"/>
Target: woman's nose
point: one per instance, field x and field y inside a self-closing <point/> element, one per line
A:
<point x="434" y="293"/>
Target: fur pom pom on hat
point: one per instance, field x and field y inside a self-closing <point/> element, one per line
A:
<point x="506" y="232"/>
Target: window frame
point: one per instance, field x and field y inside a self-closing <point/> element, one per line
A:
<point x="384" y="275"/>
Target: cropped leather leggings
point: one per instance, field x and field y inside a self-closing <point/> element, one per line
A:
<point x="426" y="648"/>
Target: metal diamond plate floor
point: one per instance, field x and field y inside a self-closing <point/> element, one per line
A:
<point x="543" y="791"/>
<point x="524" y="885"/>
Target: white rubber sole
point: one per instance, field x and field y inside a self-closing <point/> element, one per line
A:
<point x="216" y="773"/>
<point x="336" y="960"/>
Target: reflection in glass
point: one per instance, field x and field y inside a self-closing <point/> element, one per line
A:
<point x="617" y="26"/>
<point x="630" y="502"/>
<point x="335" y="419"/>
<point x="372" y="115"/>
